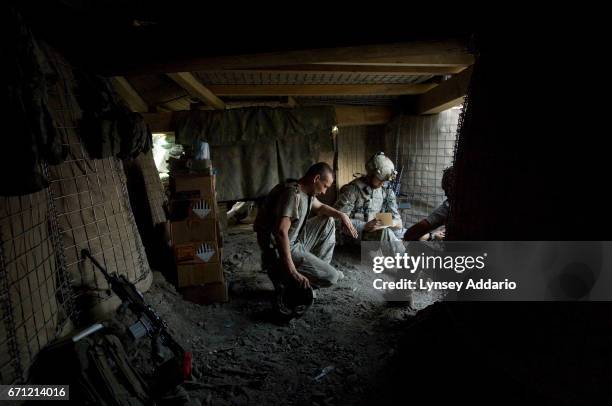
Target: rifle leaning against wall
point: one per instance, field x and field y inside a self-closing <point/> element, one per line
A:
<point x="149" y="323"/>
<point x="395" y="185"/>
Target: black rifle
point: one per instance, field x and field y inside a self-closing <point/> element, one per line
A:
<point x="396" y="183"/>
<point x="149" y="322"/>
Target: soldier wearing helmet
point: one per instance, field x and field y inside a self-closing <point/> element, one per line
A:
<point x="369" y="195"/>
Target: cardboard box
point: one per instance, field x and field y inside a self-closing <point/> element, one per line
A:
<point x="190" y="274"/>
<point x="192" y="230"/>
<point x="201" y="166"/>
<point x="200" y="252"/>
<point x="198" y="209"/>
<point x="206" y="294"/>
<point x="192" y="186"/>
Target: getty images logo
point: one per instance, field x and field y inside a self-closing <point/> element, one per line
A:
<point x="411" y="263"/>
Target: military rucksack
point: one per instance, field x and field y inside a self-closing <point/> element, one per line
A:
<point x="97" y="369"/>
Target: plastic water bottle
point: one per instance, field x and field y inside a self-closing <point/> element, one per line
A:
<point x="202" y="150"/>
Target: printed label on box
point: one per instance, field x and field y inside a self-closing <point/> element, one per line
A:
<point x="205" y="252"/>
<point x="197" y="252"/>
<point x="199" y="209"/>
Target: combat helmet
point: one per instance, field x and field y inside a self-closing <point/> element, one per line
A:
<point x="381" y="167"/>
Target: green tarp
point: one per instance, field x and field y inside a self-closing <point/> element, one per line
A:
<point x="254" y="149"/>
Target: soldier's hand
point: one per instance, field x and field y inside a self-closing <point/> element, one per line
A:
<point x="439" y="235"/>
<point x="301" y="280"/>
<point x="348" y="226"/>
<point x="369" y="225"/>
<point x="372" y="225"/>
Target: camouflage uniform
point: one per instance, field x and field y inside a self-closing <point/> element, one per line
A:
<point x="361" y="203"/>
<point x="311" y="241"/>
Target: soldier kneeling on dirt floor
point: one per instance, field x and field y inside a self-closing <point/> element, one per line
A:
<point x="296" y="250"/>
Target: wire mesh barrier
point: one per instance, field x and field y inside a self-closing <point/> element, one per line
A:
<point x="423" y="146"/>
<point x="29" y="283"/>
<point x="93" y="208"/>
<point x="42" y="275"/>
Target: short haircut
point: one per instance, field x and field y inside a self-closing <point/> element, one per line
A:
<point x="320" y="168"/>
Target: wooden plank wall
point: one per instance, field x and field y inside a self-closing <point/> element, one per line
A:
<point x="355" y="145"/>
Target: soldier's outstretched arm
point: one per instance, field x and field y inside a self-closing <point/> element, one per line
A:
<point x="329" y="211"/>
<point x="346" y="203"/>
<point x="417" y="231"/>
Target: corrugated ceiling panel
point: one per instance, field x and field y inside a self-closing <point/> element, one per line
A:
<point x="289" y="78"/>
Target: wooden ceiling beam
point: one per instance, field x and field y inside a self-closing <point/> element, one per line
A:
<point x="196" y="89"/>
<point x="447" y="94"/>
<point x="129" y="95"/>
<point x="440" y="53"/>
<point x="347" y="116"/>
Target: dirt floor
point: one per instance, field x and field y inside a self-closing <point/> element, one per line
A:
<point x="244" y="357"/>
<point x="353" y="348"/>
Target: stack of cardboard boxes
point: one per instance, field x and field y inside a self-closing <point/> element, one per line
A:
<point x="195" y="237"/>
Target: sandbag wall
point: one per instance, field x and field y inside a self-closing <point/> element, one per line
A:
<point x="45" y="285"/>
<point x="93" y="207"/>
<point x="35" y="295"/>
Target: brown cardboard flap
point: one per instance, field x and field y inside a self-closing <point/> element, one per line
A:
<point x="186" y="184"/>
<point x="205" y="294"/>
<point x="193" y="231"/>
<point x="198" y="274"/>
